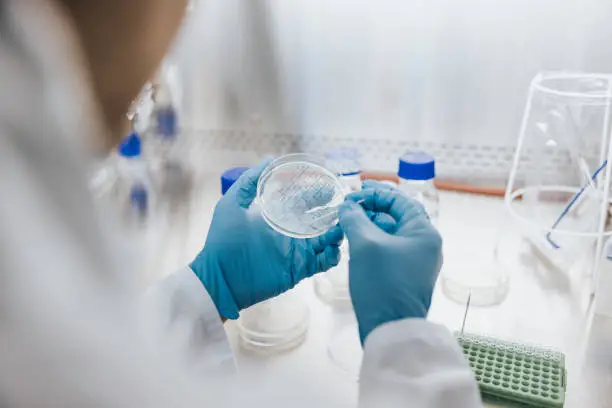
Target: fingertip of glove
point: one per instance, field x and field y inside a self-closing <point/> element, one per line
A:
<point x="349" y="209"/>
<point x="348" y="205"/>
<point x="229" y="314"/>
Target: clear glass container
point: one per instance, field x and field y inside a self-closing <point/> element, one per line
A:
<point x="299" y="196"/>
<point x="558" y="191"/>
<point x="332" y="286"/>
<point x="425" y="192"/>
<point x="134" y="190"/>
<point x="416" y="179"/>
<point x="472" y="268"/>
<point x="469" y="271"/>
<point x="475" y="272"/>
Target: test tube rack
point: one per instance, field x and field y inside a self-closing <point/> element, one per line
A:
<point x="508" y="372"/>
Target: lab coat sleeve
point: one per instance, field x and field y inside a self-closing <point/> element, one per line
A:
<point x="180" y="310"/>
<point x="415" y="363"/>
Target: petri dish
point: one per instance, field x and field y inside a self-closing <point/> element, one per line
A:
<point x="299" y="196"/>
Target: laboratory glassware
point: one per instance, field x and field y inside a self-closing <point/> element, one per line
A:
<point x="165" y="119"/>
<point x="134" y="188"/>
<point x="168" y="156"/>
<point x="276" y="324"/>
<point x="344" y="347"/>
<point x="166" y="152"/>
<point x="417" y="171"/>
<point x="132" y="197"/>
<point x="332" y="286"/>
<point x="466" y="272"/>
<point x="472" y="268"/>
<point x="559" y="188"/>
<point x="299" y="196"/>
<point x="162" y="136"/>
<point x="345" y="163"/>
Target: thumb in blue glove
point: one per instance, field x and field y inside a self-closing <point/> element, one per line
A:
<point x="392" y="270"/>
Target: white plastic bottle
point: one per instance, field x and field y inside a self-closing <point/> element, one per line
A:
<point x="417" y="171"/>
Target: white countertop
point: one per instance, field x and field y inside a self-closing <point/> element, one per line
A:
<point x="541" y="308"/>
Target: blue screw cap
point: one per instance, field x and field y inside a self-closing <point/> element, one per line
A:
<point x="229" y="177"/>
<point x="417" y="166"/>
<point x="131" y="146"/>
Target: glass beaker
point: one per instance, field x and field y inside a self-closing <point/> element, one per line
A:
<point x="558" y="189"/>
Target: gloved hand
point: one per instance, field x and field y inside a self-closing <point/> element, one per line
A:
<point x="392" y="272"/>
<point x="244" y="261"/>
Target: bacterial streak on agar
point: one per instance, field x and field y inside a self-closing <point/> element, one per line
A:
<point x="299" y="196"/>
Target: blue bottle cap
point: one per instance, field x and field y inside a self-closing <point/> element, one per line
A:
<point x="229" y="177"/>
<point x="417" y="166"/>
<point x="131" y="146"/>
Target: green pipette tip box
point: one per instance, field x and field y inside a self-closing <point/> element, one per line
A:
<point x="516" y="373"/>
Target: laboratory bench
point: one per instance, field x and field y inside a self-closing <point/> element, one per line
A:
<point x="540" y="308"/>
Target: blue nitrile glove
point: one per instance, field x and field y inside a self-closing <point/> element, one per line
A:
<point x="244" y="261"/>
<point x="391" y="274"/>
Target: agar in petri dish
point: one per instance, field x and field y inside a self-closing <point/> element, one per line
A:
<point x="299" y="196"/>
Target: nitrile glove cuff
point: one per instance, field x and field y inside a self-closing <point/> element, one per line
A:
<point x="211" y="276"/>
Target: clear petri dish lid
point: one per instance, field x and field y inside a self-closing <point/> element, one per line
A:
<point x="299" y="195"/>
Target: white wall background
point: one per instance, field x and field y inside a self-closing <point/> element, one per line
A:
<point x="445" y="75"/>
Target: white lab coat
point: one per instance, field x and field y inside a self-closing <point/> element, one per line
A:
<point x="74" y="332"/>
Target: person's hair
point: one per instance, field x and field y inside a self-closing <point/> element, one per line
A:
<point x="124" y="41"/>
